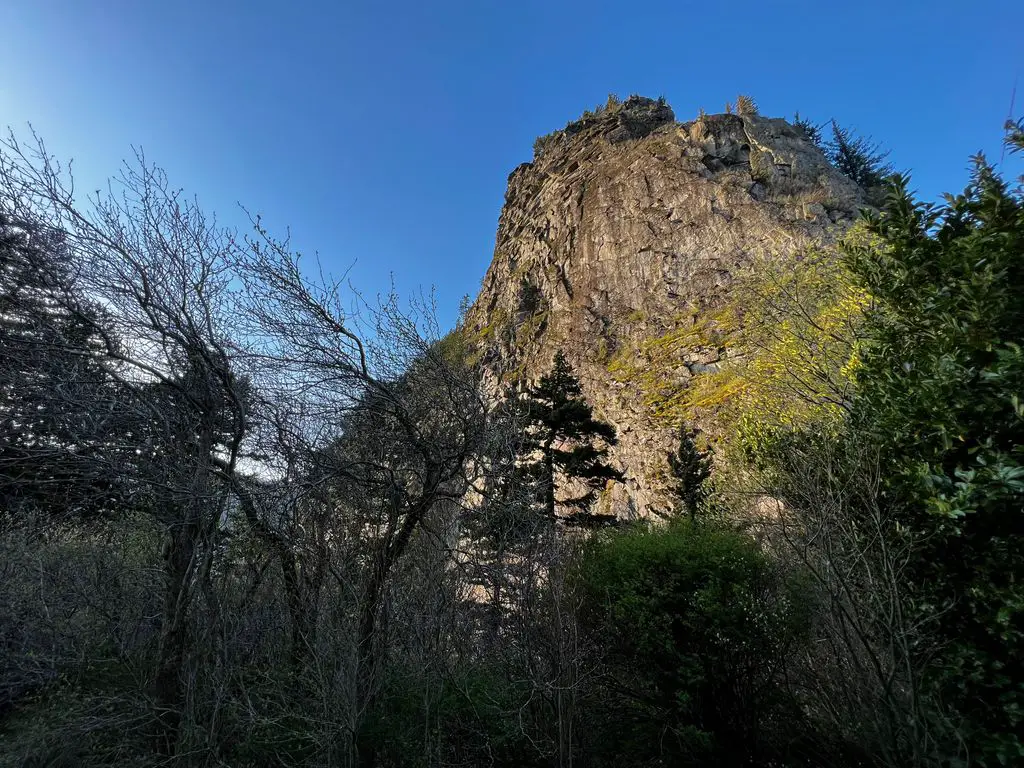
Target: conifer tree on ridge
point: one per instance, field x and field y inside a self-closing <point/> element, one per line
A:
<point x="566" y="440"/>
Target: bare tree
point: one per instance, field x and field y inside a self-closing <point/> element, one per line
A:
<point x="297" y="465"/>
<point x="56" y="396"/>
<point x="860" y="674"/>
<point x="159" y="268"/>
<point x="404" y="417"/>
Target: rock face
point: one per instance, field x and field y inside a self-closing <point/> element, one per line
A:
<point x="626" y="224"/>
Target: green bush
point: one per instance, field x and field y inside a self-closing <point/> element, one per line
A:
<point x="940" y="386"/>
<point x="468" y="718"/>
<point x="694" y="623"/>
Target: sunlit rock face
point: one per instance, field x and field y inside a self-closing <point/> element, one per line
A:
<point x="627" y="224"/>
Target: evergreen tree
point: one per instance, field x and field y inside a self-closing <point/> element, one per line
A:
<point x="565" y="439"/>
<point x="56" y="394"/>
<point x="690" y="467"/>
<point x="859" y="158"/>
<point x="1015" y="135"/>
<point x="810" y="129"/>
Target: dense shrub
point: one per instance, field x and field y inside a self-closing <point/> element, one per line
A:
<point x="693" y="621"/>
<point x="940" y="382"/>
<point x="907" y="509"/>
<point x="470" y="718"/>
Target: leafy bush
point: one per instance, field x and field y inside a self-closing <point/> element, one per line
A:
<point x="940" y="383"/>
<point x="467" y="719"/>
<point x="1015" y="135"/>
<point x="694" y="622"/>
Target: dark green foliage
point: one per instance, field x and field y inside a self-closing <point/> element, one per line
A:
<point x="55" y="394"/>
<point x="588" y="117"/>
<point x="567" y="441"/>
<point x="859" y="158"/>
<point x="690" y="467"/>
<point x="637" y="116"/>
<point x="940" y="390"/>
<point x="541" y="142"/>
<point x="810" y="129"/>
<point x="1015" y="135"/>
<point x="471" y="719"/>
<point x="530" y="297"/>
<point x="694" y="623"/>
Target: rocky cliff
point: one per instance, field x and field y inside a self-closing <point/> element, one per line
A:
<point x="628" y="224"/>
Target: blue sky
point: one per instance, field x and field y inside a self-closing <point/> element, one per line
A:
<point x="382" y="133"/>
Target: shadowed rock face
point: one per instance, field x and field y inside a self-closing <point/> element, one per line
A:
<point x="627" y="224"/>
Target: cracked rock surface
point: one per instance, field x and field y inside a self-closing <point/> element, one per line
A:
<point x="626" y="224"/>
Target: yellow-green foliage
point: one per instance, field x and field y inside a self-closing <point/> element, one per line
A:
<point x="476" y="340"/>
<point x="453" y="347"/>
<point x="788" y="335"/>
<point x="529" y="328"/>
<point x="762" y="167"/>
<point x="653" y="366"/>
<point x="499" y="321"/>
<point x="799" y="330"/>
<point x="472" y="342"/>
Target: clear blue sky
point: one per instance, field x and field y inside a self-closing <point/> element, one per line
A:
<point x="382" y="133"/>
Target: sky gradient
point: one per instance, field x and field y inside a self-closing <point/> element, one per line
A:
<point x="382" y="134"/>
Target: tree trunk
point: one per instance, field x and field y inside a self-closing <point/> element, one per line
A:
<point x="384" y="559"/>
<point x="298" y="609"/>
<point x="168" y="688"/>
<point x="549" y="481"/>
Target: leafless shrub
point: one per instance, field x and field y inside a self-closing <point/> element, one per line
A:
<point x="860" y="674"/>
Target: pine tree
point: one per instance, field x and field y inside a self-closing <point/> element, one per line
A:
<point x="859" y="158"/>
<point x="56" y="394"/>
<point x="810" y="129"/>
<point x="690" y="467"/>
<point x="745" y="105"/>
<point x="566" y="441"/>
